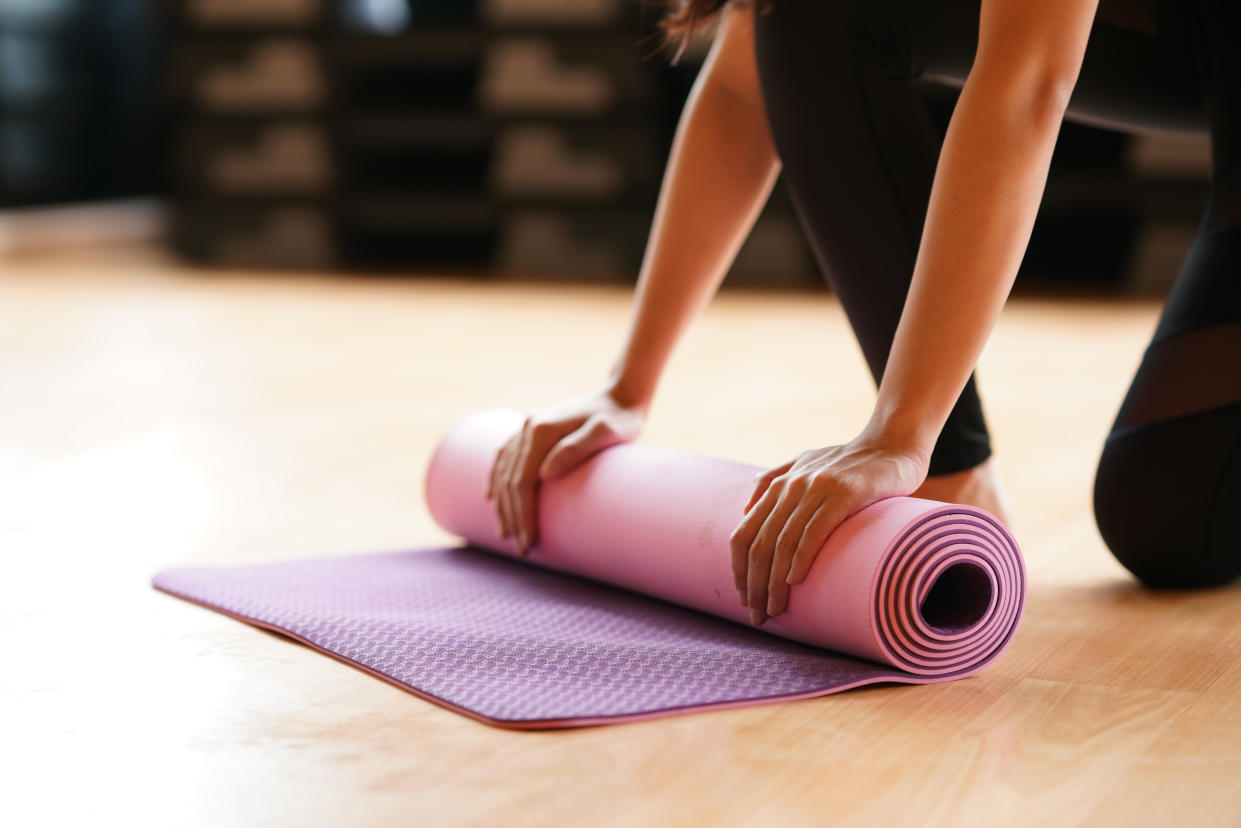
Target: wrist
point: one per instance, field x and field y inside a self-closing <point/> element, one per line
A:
<point x="902" y="431"/>
<point x="628" y="394"/>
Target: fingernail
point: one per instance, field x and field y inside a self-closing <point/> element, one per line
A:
<point x="741" y="597"/>
<point x="756" y="617"/>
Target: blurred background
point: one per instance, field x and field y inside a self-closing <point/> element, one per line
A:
<point x="499" y="138"/>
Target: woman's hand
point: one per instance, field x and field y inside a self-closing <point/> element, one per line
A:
<point x="794" y="507"/>
<point x="551" y="442"/>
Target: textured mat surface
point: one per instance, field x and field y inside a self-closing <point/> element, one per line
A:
<point x="514" y="643"/>
<point x="907" y="590"/>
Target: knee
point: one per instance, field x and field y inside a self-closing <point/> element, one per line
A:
<point x="1167" y="499"/>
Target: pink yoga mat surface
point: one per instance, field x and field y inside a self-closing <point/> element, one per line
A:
<point x="625" y="608"/>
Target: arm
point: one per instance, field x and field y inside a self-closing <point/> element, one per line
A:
<point x="719" y="175"/>
<point x="988" y="185"/>
<point x="987" y="188"/>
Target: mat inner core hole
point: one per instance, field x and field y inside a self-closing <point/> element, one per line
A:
<point x="958" y="598"/>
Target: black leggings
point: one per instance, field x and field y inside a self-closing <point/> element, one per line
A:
<point x="859" y="151"/>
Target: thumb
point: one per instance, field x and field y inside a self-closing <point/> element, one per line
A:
<point x="574" y="449"/>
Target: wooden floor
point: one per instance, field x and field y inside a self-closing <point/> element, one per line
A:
<point x="153" y="416"/>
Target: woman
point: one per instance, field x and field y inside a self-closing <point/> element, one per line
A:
<point x="922" y="245"/>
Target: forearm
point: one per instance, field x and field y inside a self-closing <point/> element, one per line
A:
<point x="719" y="174"/>
<point x="986" y="193"/>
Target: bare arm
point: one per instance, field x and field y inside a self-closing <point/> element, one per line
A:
<point x="988" y="184"/>
<point x="718" y="177"/>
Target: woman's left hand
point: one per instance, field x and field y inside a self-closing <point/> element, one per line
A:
<point x="795" y="506"/>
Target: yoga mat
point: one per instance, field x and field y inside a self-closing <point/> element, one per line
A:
<point x="625" y="608"/>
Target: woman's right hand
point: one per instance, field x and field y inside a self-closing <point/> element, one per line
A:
<point x="553" y="441"/>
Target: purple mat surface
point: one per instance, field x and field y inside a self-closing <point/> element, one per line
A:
<point x="516" y="645"/>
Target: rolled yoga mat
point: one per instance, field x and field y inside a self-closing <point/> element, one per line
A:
<point x="907" y="590"/>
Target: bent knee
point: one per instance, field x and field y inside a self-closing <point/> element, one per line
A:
<point x="1167" y="499"/>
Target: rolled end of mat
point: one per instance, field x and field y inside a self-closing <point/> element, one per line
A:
<point x="933" y="589"/>
<point x="949" y="592"/>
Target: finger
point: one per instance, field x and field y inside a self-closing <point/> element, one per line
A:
<point x="505" y="481"/>
<point x="502" y="491"/>
<point x="742" y="538"/>
<point x="764" y="481"/>
<point x="593" y="436"/>
<point x="496" y="493"/>
<point x="830" y="515"/>
<point x="491" y="474"/>
<point x="490" y="493"/>
<point x="517" y="506"/>
<point x="527" y="486"/>
<point x="787" y="545"/>
<point x="527" y="506"/>
<point x="758" y="574"/>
